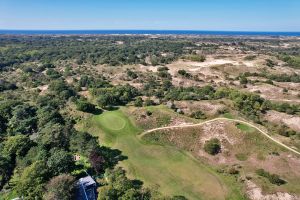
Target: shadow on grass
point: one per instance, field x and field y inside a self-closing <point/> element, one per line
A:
<point x="97" y="111"/>
<point x="112" y="156"/>
<point x="138" y="184"/>
<point x="112" y="108"/>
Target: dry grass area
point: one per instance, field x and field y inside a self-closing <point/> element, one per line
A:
<point x="242" y="148"/>
<point x="281" y="118"/>
<point x="210" y="108"/>
<point x="156" y="116"/>
<point x="271" y="92"/>
<point x="255" y="193"/>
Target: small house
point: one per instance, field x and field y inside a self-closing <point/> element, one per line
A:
<point x="86" y="189"/>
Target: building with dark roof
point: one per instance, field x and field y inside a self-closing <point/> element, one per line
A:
<point x="86" y="189"/>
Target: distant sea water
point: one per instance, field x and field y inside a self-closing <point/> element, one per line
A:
<point x="143" y="32"/>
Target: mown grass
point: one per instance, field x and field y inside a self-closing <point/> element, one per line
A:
<point x="173" y="171"/>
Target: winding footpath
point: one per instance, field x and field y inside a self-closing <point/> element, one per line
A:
<point x="220" y="119"/>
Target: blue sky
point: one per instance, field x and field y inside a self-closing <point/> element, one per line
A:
<point x="232" y="15"/>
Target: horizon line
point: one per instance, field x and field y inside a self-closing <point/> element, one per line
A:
<point x="192" y="30"/>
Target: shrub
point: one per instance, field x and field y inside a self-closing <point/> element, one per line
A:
<point x="250" y="57"/>
<point x="85" y="106"/>
<point x="60" y="187"/>
<point x="212" y="146"/>
<point x="4" y="85"/>
<point x="132" y="74"/>
<point x="53" y="73"/>
<point x="273" y="178"/>
<point x="149" y="102"/>
<point x="148" y="113"/>
<point x="198" y="115"/>
<point x="197" y="58"/>
<point x="243" y="80"/>
<point x="233" y="171"/>
<point x="160" y="69"/>
<point x="270" y="63"/>
<point x="138" y="102"/>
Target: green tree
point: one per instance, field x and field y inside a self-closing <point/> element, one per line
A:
<point x="48" y="114"/>
<point x="3" y="125"/>
<point x="83" y="143"/>
<point x="105" y="101"/>
<point x="5" y="169"/>
<point x="138" y="102"/>
<point x="23" y="120"/>
<point x="60" y="161"/>
<point x="60" y="187"/>
<point x="54" y="135"/>
<point x="84" y="106"/>
<point x="32" y="181"/>
<point x="16" y="145"/>
<point x="107" y="192"/>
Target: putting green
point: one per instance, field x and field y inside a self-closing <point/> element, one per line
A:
<point x="112" y="121"/>
<point x="172" y="171"/>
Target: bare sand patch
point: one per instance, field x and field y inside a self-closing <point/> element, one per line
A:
<point x="282" y="118"/>
<point x="43" y="89"/>
<point x="255" y="193"/>
<point x="207" y="107"/>
<point x="266" y="91"/>
<point x="288" y="85"/>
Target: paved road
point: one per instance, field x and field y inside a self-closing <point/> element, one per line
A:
<point x="224" y="119"/>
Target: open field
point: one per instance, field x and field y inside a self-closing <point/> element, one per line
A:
<point x="172" y="171"/>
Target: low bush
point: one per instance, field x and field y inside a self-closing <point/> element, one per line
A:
<point x="273" y="178"/>
<point x="212" y="146"/>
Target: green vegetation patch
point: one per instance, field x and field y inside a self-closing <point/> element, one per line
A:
<point x="245" y="128"/>
<point x="241" y="156"/>
<point x="228" y="115"/>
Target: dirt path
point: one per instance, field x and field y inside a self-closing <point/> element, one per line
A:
<point x="226" y="119"/>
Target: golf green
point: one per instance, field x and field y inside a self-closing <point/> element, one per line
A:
<point x="112" y="121"/>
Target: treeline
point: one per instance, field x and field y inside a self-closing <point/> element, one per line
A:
<point x="94" y="50"/>
<point x="115" y="96"/>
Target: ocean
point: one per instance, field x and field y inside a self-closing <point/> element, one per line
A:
<point x="142" y="32"/>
